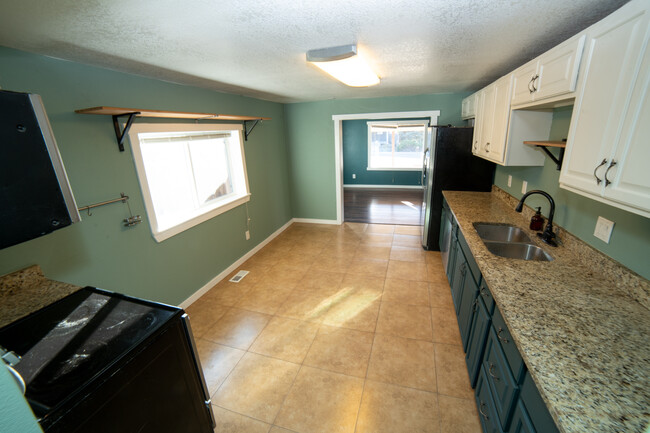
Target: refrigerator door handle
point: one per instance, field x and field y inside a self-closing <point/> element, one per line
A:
<point x="425" y="166"/>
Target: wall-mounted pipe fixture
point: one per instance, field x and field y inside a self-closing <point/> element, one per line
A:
<point x="128" y="222"/>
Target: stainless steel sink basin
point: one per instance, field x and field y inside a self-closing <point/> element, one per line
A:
<point x="501" y="233"/>
<point x="522" y="251"/>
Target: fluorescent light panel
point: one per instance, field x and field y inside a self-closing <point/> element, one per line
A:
<point x="344" y="64"/>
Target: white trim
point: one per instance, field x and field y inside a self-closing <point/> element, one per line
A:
<point x="315" y="221"/>
<point x="433" y="115"/>
<point x="362" y="186"/>
<point x="393" y="169"/>
<point x="338" y="144"/>
<point x="214" y="281"/>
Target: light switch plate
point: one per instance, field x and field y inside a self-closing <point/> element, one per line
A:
<point x="604" y="229"/>
<point x="524" y="187"/>
<point x="509" y="180"/>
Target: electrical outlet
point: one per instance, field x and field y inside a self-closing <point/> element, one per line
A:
<point x="524" y="187"/>
<point x="604" y="229"/>
<point x="354" y="176"/>
<point x="248" y="235"/>
<point x="509" y="180"/>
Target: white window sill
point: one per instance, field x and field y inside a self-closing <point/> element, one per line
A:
<point x="224" y="206"/>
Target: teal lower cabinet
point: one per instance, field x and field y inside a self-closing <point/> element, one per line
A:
<point x="499" y="377"/>
<point x="476" y="342"/>
<point x="506" y="396"/>
<point x="521" y="422"/>
<point x="485" y="405"/>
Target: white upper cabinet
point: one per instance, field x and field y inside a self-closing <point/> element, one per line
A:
<point x="493" y="117"/>
<point x="468" y="108"/>
<point x="552" y="74"/>
<point x="608" y="147"/>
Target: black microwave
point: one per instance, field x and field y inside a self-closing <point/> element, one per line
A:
<point x="35" y="195"/>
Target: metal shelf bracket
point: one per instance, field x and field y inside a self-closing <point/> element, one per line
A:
<point x="120" y="135"/>
<point x="247" y="130"/>
<point x="557" y="161"/>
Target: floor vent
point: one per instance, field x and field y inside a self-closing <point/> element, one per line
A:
<point x="238" y="276"/>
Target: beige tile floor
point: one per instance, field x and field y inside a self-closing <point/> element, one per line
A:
<point x="336" y="329"/>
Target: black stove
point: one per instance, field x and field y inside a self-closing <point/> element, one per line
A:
<point x="76" y="345"/>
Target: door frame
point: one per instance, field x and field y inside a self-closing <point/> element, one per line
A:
<point x="338" y="143"/>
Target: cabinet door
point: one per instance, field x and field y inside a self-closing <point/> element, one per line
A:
<point x="557" y="71"/>
<point x="477" y="338"/>
<point x="468" y="302"/>
<point x="485" y="405"/>
<point x="502" y="383"/>
<point x="522" y="83"/>
<point x="521" y="422"/>
<point x="478" y="122"/>
<point x="460" y="273"/>
<point x="451" y="265"/>
<point x="612" y="59"/>
<point x="629" y="176"/>
<point x="496" y="150"/>
<point x="487" y="121"/>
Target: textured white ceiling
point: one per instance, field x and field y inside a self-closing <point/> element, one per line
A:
<point x="257" y="48"/>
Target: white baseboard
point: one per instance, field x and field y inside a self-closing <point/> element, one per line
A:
<point x="382" y="186"/>
<point x="314" y="221"/>
<point x="210" y="284"/>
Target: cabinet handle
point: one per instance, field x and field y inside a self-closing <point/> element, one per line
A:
<point x="598" y="180"/>
<point x="480" y="410"/>
<point x="533" y="82"/>
<point x="484" y="292"/>
<point x="529" y="84"/>
<point x="476" y="145"/>
<point x="475" y="305"/>
<point x="487" y="147"/>
<point x="504" y="339"/>
<point x="611" y="164"/>
<point x="463" y="269"/>
<point x="494" y="376"/>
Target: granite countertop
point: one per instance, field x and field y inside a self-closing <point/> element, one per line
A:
<point x="26" y="291"/>
<point x="581" y="322"/>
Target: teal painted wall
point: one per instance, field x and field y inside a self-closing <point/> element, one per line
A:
<point x="15" y="413"/>
<point x="355" y="160"/>
<point x="99" y="251"/>
<point x="630" y="241"/>
<point x="310" y="134"/>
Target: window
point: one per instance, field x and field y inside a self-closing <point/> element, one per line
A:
<point x="396" y="145"/>
<point x="188" y="173"/>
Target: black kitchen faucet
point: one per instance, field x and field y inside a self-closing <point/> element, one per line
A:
<point x="547" y="236"/>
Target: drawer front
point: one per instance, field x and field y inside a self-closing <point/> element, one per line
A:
<point x="485" y="405"/>
<point x="517" y="365"/>
<point x="486" y="295"/>
<point x="521" y="422"/>
<point x="477" y="337"/>
<point x="502" y="383"/>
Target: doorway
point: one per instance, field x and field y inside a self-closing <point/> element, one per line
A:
<point x="377" y="204"/>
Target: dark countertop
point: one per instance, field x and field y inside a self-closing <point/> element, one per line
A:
<point x="581" y="322"/>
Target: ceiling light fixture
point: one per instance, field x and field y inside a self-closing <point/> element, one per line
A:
<point x="344" y="64"/>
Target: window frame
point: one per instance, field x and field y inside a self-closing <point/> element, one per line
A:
<point x="397" y="123"/>
<point x="222" y="207"/>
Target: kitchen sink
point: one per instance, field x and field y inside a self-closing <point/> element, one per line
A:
<point x="514" y="250"/>
<point x="501" y="233"/>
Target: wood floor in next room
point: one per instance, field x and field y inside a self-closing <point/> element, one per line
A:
<point x="382" y="206"/>
<point x="343" y="329"/>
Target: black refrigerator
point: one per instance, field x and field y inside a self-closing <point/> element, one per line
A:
<point x="448" y="164"/>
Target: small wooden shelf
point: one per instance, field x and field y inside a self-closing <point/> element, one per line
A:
<point x="132" y="113"/>
<point x="547" y="143"/>
<point x="544" y="145"/>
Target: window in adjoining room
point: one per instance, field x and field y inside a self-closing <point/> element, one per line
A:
<point x="188" y="173"/>
<point x="396" y="145"/>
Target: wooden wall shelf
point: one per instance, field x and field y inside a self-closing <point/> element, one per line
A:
<point x="132" y="113"/>
<point x="544" y="145"/>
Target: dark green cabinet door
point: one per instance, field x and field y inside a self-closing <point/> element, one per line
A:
<point x="468" y="299"/>
<point x="460" y="273"/>
<point x="486" y="410"/>
<point x="521" y="422"/>
<point x="477" y="337"/>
